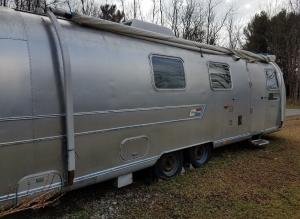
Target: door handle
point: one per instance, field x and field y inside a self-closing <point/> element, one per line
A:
<point x="273" y="96"/>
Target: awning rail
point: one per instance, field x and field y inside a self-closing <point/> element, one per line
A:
<point x="126" y="30"/>
<point x="68" y="96"/>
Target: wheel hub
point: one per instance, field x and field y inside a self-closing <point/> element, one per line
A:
<point x="199" y="152"/>
<point x="169" y="165"/>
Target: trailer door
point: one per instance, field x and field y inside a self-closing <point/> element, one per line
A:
<point x="257" y="97"/>
<point x="221" y="84"/>
<point x="272" y="99"/>
<point x="241" y="99"/>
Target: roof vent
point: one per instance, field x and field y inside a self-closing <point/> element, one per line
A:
<point x="149" y="27"/>
<point x="272" y="58"/>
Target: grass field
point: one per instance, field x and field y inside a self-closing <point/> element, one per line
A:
<point x="292" y="105"/>
<point x="238" y="182"/>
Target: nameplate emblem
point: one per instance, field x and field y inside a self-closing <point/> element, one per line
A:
<point x="197" y="112"/>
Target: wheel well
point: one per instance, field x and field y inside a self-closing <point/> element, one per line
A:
<point x="186" y="154"/>
<point x="148" y="173"/>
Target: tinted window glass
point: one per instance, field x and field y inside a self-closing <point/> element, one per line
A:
<point x="219" y="75"/>
<point x="272" y="82"/>
<point x="168" y="72"/>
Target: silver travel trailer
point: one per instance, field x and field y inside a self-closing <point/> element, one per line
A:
<point x="85" y="100"/>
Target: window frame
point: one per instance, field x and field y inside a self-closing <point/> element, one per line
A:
<point x="276" y="76"/>
<point x="153" y="74"/>
<point x="210" y="82"/>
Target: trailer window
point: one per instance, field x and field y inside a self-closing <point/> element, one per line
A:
<point x="272" y="82"/>
<point x="219" y="75"/>
<point x="168" y="72"/>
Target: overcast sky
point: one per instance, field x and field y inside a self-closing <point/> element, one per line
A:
<point x="245" y="9"/>
<point x="248" y="8"/>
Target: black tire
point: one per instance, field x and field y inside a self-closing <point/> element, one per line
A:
<point x="200" y="155"/>
<point x="168" y="166"/>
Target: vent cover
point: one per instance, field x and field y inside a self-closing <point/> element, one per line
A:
<point x="149" y="27"/>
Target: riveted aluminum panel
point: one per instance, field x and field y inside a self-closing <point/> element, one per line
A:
<point x="47" y="83"/>
<point x="17" y="161"/>
<point x="11" y="25"/>
<point x="15" y="79"/>
<point x="114" y="99"/>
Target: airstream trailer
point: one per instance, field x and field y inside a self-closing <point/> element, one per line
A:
<point x="85" y="100"/>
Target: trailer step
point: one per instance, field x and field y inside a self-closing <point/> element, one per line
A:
<point x="124" y="180"/>
<point x="260" y="142"/>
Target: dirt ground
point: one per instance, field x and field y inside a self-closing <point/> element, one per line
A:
<point x="238" y="182"/>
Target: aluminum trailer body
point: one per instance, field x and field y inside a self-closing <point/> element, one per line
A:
<point x="125" y="115"/>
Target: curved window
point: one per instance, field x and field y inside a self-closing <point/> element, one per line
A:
<point x="272" y="82"/>
<point x="168" y="72"/>
<point x="219" y="76"/>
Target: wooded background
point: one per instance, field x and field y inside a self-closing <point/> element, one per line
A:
<point x="275" y="30"/>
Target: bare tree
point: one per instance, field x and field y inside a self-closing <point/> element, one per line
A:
<point x="234" y="31"/>
<point x="272" y="7"/>
<point x="174" y="16"/>
<point x="154" y="10"/>
<point x="198" y="20"/>
<point x="161" y="12"/>
<point x="90" y="8"/>
<point x="187" y="18"/>
<point x="37" y="6"/>
<point x="4" y="3"/>
<point x="140" y="10"/>
<point x="122" y="5"/>
<point x="134" y="9"/>
<point x="213" y="24"/>
<point x="156" y="14"/>
<point x="295" y="6"/>
<point x="123" y="8"/>
<point x="192" y="21"/>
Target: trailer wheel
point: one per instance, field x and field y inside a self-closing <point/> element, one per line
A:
<point x="199" y="155"/>
<point x="169" y="166"/>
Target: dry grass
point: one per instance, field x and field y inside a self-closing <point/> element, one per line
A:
<point x="239" y="182"/>
<point x="292" y="104"/>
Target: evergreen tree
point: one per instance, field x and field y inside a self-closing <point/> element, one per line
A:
<point x="257" y="32"/>
<point x="278" y="35"/>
